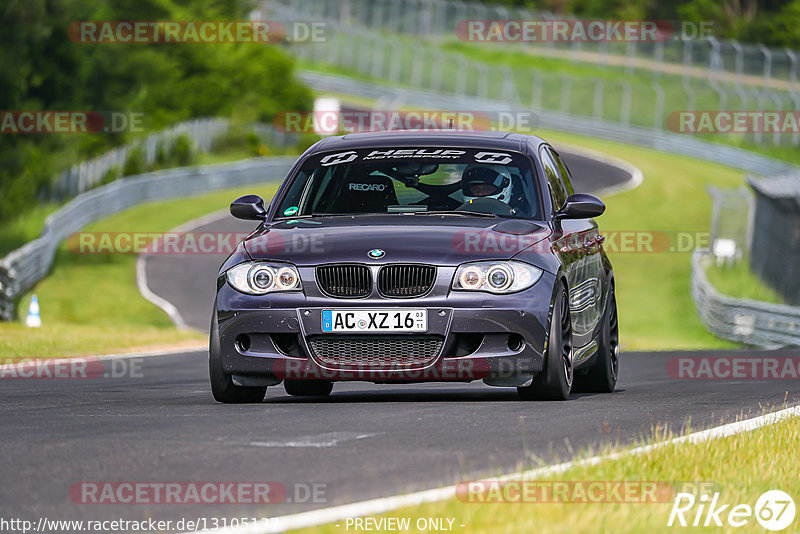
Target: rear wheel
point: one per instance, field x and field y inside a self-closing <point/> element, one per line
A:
<point x="308" y="388"/>
<point x="602" y="375"/>
<point x="555" y="380"/>
<point x="222" y="386"/>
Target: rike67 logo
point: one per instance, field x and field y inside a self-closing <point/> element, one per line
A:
<point x="774" y="510"/>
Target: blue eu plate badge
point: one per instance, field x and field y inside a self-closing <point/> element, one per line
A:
<point x="327" y="321"/>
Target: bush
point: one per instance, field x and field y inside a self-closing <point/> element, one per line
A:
<point x="43" y="69"/>
<point x="183" y="152"/>
<point x="134" y="163"/>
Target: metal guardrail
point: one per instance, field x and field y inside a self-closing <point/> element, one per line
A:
<point x="742" y="320"/>
<point x="22" y="268"/>
<point x="555" y="120"/>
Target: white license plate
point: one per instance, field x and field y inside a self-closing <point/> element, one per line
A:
<point x="405" y="320"/>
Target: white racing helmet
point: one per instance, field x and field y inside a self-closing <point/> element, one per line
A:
<point x="486" y="181"/>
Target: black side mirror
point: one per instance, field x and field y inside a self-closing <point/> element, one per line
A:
<point x="249" y="208"/>
<point x="581" y="206"/>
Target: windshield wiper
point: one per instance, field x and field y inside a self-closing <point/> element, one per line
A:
<point x="457" y="212"/>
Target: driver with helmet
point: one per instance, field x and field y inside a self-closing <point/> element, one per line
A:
<point x="486" y="181"/>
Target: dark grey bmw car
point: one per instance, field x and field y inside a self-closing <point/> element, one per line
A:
<point x="398" y="257"/>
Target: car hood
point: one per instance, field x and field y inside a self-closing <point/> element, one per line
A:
<point x="434" y="239"/>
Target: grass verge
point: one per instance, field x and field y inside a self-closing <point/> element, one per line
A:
<point x="90" y="304"/>
<point x="739" y="281"/>
<point x="655" y="306"/>
<point x="764" y="460"/>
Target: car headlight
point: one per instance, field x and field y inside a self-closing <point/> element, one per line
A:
<point x="258" y="278"/>
<point x="496" y="276"/>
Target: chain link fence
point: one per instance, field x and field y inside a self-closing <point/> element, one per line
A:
<point x="393" y="96"/>
<point x="689" y="52"/>
<point x="408" y="57"/>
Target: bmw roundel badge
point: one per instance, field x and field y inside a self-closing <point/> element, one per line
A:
<point x="376" y="253"/>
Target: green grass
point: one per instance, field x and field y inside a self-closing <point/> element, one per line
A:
<point x="655" y="307"/>
<point x="739" y="281"/>
<point x="90" y="304"/>
<point x="764" y="459"/>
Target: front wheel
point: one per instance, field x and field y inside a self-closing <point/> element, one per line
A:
<point x="602" y="375"/>
<point x="555" y="380"/>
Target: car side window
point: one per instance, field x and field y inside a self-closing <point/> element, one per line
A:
<point x="562" y="171"/>
<point x="551" y="171"/>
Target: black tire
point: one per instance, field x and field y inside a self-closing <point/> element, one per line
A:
<point x="555" y="380"/>
<point x="222" y="386"/>
<point x="602" y="375"/>
<point x="308" y="388"/>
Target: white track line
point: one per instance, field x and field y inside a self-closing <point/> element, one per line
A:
<point x="387" y="504"/>
<point x="635" y="176"/>
<point x="141" y="269"/>
<point x="120" y="356"/>
<point x="164" y="304"/>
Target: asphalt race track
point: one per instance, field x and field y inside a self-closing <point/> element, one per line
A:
<point x="158" y="423"/>
<point x="362" y="442"/>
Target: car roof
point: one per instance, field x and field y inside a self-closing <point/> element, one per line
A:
<point x="449" y="138"/>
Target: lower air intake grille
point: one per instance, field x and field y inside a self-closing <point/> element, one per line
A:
<point x="384" y="351"/>
<point x="346" y="280"/>
<point x="405" y="280"/>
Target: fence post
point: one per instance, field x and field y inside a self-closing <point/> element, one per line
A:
<point x="630" y="57"/>
<point x="625" y="113"/>
<point x="739" y="60"/>
<point x="461" y="77"/>
<point x="566" y="89"/>
<point x="483" y="80"/>
<point x="378" y="57"/>
<point x="767" y="64"/>
<point x="793" y="70"/>
<point x="597" y="112"/>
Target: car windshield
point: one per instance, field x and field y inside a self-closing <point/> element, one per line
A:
<point x="414" y="180"/>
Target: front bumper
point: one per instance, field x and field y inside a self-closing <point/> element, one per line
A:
<point x="494" y="337"/>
